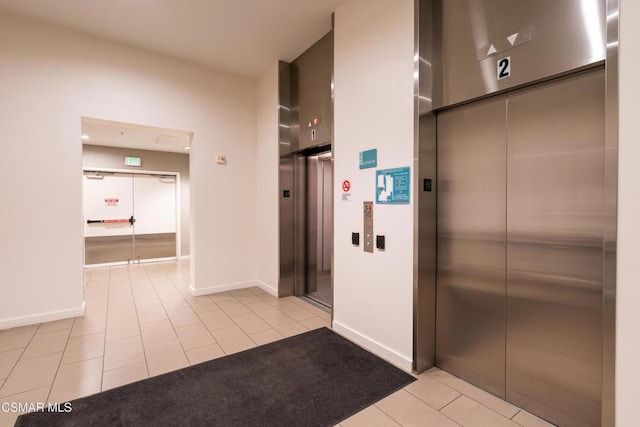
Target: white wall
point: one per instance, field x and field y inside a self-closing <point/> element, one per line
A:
<point x="99" y="157"/>
<point x="49" y="79"/>
<point x="374" y="45"/>
<point x="628" y="280"/>
<point x="267" y="179"/>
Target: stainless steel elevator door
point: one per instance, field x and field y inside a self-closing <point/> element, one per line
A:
<point x="319" y="228"/>
<point x="555" y="176"/>
<point x="470" y="336"/>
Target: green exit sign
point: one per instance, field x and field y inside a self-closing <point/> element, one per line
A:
<point x="133" y="161"/>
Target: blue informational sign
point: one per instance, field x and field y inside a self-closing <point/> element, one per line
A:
<point x="369" y="159"/>
<point x="392" y="186"/>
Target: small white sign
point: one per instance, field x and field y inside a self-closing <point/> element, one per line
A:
<point x="504" y="67"/>
<point x="346" y="197"/>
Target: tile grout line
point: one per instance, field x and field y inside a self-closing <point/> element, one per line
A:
<point x="18" y="361"/>
<point x="85" y="282"/>
<point x="419" y="398"/>
<point x="120" y="339"/>
<point x="106" y="325"/>
<point x="398" y="422"/>
<point x="479" y="403"/>
<point x="59" y="363"/>
<point x="144" y="350"/>
<point x="164" y="272"/>
<point x="174" y="327"/>
<point x="197" y="315"/>
<point x="459" y="396"/>
<point x="230" y="315"/>
<point x="381" y="410"/>
<point x="103" y="332"/>
<point x="153" y="286"/>
<point x="227" y="314"/>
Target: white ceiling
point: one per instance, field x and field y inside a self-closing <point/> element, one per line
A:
<point x="239" y="36"/>
<point x="128" y="135"/>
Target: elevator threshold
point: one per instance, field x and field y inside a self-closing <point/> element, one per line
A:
<point x="315" y="303"/>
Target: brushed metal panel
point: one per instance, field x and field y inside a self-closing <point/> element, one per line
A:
<point x="425" y="291"/>
<point x="555" y="175"/>
<point x="157" y="245"/>
<point x="284" y="109"/>
<point x="471" y="191"/>
<point x="105" y="249"/>
<point x="424" y="261"/>
<point x="311" y="75"/>
<point x="564" y="35"/>
<point x="286" y="243"/>
<point x="287" y="228"/>
<point x="610" y="217"/>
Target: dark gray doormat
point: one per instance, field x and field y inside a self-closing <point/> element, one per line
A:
<point x="314" y="379"/>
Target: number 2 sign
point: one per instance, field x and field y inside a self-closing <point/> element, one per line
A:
<point x="504" y="67"/>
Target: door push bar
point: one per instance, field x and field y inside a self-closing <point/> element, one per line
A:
<point x="111" y="221"/>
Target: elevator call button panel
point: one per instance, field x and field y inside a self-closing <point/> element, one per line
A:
<point x="368" y="226"/>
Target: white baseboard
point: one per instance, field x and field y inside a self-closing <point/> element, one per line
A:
<point x="268" y="289"/>
<point x="41" y="318"/>
<point x="233" y="287"/>
<point x="373" y="346"/>
<point x="222" y="288"/>
<point x="184" y="257"/>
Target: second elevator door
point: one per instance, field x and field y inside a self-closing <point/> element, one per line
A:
<point x="520" y="216"/>
<point x="319" y="228"/>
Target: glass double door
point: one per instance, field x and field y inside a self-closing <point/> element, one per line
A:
<point x="128" y="217"/>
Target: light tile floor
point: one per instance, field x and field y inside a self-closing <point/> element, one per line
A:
<point x="142" y="321"/>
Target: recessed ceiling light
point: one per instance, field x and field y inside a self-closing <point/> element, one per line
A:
<point x="187" y="148"/>
<point x="85" y="137"/>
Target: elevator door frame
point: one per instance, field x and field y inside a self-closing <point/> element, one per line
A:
<point x="302" y="227"/>
<point x="176" y="175"/>
<point x="427" y="95"/>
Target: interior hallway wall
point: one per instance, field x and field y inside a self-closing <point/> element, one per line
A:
<point x="628" y="279"/>
<point x="267" y="222"/>
<point x="95" y="156"/>
<point x="373" y="108"/>
<point x="49" y="79"/>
